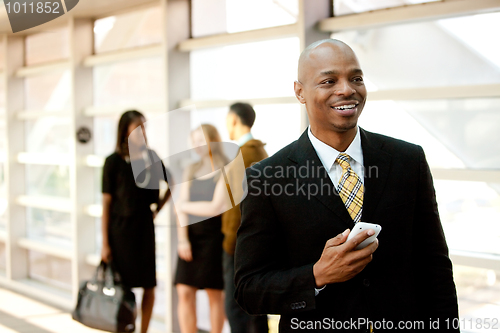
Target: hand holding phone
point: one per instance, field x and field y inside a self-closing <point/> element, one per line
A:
<point x="363" y="226"/>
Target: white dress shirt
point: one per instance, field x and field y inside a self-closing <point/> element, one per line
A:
<point x="328" y="156"/>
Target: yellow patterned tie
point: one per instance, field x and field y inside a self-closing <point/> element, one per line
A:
<point x="350" y="188"/>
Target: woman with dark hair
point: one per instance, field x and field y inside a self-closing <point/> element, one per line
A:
<point x="128" y="234"/>
<point x="199" y="265"/>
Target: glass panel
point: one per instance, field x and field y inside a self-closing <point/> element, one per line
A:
<point x="463" y="126"/>
<point x="273" y="119"/>
<point x="98" y="188"/>
<point x="228" y="16"/>
<point x="105" y="131"/>
<point x="389" y="118"/>
<point x="129" y="82"/>
<point x="3" y="208"/>
<point x="434" y="55"/>
<point x="49" y="92"/>
<point x="160" y="308"/>
<point x="2" y="58"/>
<point x="270" y="120"/>
<point x="133" y="29"/>
<point x="261" y="69"/>
<point x="467" y="210"/>
<point x="49" y="135"/>
<point x="465" y="30"/>
<point x="2" y="139"/>
<point x="51" y="226"/>
<point x="50" y="270"/>
<point x="47" y="46"/>
<point x="98" y="236"/>
<point x="2" y="91"/>
<point x="478" y="293"/>
<point x="2" y="181"/>
<point x="3" y="258"/>
<point x="345" y="7"/>
<point x="241" y="15"/>
<point x="47" y="180"/>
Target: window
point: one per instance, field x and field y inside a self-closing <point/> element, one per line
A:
<point x="134" y="29"/>
<point x="242" y="15"/>
<point x="228" y="16"/>
<point x="50" y="92"/>
<point x="48" y="135"/>
<point x="47" y="180"/>
<point x="47" y="46"/>
<point x="428" y="54"/>
<point x="129" y="83"/>
<point x="50" y="270"/>
<point x="475" y="287"/>
<point x="51" y="226"/>
<point x="3" y="255"/>
<point x="261" y="69"/>
<point x="346" y="7"/>
<point x="471" y="211"/>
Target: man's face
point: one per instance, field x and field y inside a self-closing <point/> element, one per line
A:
<point x="230" y="124"/>
<point x="332" y="88"/>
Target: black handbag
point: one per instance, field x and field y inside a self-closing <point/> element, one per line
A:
<point x="105" y="303"/>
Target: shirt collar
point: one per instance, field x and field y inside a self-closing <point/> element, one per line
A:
<point x="244" y="139"/>
<point x="328" y="154"/>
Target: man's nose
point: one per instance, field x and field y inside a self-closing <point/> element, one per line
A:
<point x="344" y="88"/>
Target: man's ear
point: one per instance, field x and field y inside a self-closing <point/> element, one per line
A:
<point x="297" y="86"/>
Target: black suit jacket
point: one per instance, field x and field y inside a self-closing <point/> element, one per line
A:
<point x="292" y="209"/>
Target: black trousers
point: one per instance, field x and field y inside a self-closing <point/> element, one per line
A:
<point x="239" y="320"/>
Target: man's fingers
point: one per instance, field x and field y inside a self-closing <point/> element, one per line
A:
<point x="366" y="252"/>
<point x="352" y="243"/>
<point x="338" y="240"/>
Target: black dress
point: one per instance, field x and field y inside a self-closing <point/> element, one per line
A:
<point x="131" y="228"/>
<point x="205" y="270"/>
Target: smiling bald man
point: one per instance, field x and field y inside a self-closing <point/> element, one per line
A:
<point x="292" y="255"/>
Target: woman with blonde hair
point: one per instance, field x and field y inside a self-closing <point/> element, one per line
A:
<point x="199" y="264"/>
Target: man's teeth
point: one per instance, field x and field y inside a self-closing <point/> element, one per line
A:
<point x="343" y="107"/>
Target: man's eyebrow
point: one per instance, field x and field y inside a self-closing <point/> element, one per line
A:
<point x="357" y="71"/>
<point x="329" y="73"/>
<point x="332" y="72"/>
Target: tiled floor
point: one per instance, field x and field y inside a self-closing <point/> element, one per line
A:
<point x="23" y="315"/>
<point x="20" y="314"/>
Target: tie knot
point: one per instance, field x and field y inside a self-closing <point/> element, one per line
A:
<point x="343" y="161"/>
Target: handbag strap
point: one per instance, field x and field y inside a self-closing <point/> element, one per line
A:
<point x="99" y="273"/>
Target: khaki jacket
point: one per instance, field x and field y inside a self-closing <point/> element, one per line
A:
<point x="253" y="151"/>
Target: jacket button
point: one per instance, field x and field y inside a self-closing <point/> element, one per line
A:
<point x="366" y="282"/>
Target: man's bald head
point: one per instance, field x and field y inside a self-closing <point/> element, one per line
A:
<point x="314" y="51"/>
<point x="330" y="85"/>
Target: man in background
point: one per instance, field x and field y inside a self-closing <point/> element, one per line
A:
<point x="239" y="121"/>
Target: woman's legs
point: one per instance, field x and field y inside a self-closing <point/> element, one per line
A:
<point x="187" y="308"/>
<point x="217" y="315"/>
<point x="148" y="300"/>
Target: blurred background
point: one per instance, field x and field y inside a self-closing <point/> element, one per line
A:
<point x="432" y="69"/>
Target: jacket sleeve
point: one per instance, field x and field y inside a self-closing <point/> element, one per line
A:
<point x="265" y="284"/>
<point x="436" y="291"/>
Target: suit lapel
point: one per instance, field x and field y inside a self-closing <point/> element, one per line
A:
<point x="317" y="178"/>
<point x="377" y="164"/>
